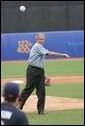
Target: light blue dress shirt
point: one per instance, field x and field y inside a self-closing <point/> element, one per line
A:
<point x="37" y="55"/>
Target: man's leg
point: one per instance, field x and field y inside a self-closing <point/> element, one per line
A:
<point x="25" y="94"/>
<point x="30" y="85"/>
<point x="40" y="91"/>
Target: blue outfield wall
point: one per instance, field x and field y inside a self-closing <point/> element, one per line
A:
<point x="16" y="46"/>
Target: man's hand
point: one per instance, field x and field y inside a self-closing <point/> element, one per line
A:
<point x="66" y="56"/>
<point x="47" y="81"/>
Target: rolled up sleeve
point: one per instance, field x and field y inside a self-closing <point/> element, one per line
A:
<point x="41" y="50"/>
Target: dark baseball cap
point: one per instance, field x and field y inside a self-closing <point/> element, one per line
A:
<point x="11" y="90"/>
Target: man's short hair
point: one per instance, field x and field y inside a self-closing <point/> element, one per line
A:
<point x="40" y="34"/>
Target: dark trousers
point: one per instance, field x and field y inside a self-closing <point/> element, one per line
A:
<point x="35" y="78"/>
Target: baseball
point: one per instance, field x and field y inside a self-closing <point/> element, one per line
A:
<point x="22" y="8"/>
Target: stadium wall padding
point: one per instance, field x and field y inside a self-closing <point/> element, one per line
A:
<point x="16" y="46"/>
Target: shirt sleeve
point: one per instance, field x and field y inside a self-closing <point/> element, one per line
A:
<point x="41" y="50"/>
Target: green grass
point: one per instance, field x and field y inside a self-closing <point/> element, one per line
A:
<point x="64" y="117"/>
<point x="13" y="70"/>
<point x="64" y="68"/>
<point x="51" y="68"/>
<point x="73" y="90"/>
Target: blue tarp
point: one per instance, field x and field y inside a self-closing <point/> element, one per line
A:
<point x="16" y="46"/>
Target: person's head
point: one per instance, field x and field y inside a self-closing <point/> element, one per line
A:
<point x="40" y="38"/>
<point x="11" y="92"/>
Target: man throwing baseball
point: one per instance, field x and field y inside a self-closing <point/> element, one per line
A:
<point x="35" y="75"/>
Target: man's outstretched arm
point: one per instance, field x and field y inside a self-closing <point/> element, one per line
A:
<point x="51" y="53"/>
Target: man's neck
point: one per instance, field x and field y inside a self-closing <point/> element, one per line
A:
<point x="39" y="43"/>
<point x="11" y="103"/>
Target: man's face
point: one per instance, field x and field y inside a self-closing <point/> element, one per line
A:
<point x="41" y="38"/>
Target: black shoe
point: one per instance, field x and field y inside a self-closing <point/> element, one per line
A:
<point x="41" y="113"/>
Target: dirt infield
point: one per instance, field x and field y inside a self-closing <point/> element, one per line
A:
<point x="53" y="103"/>
<point x="54" y="80"/>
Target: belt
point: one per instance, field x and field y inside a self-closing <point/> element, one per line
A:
<point x="35" y="67"/>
